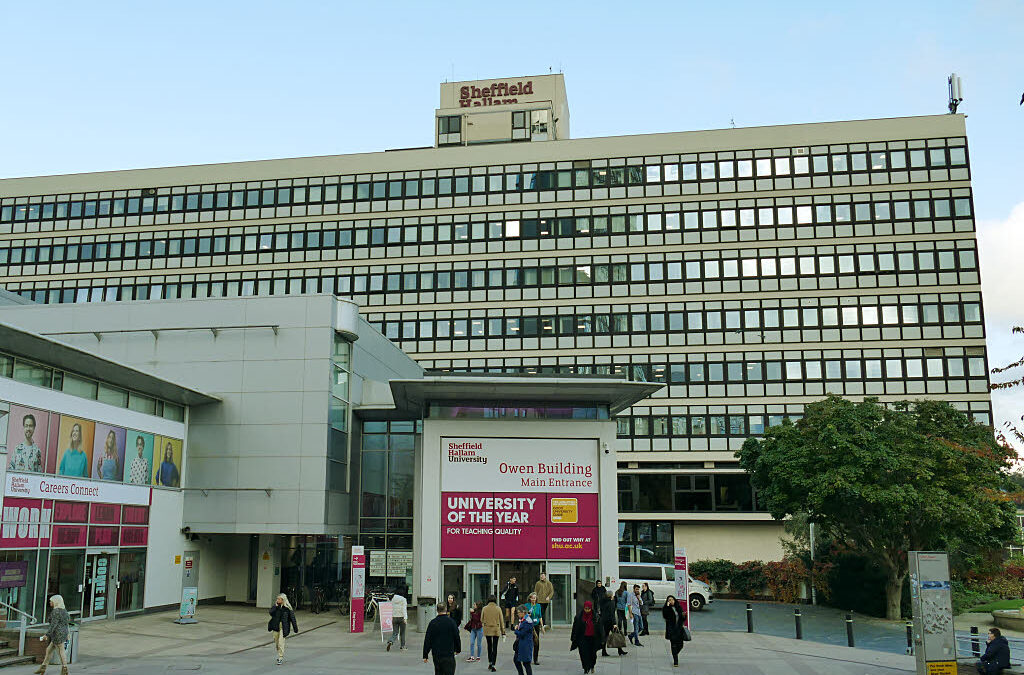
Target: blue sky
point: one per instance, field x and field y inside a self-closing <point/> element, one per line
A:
<point x="113" y="85"/>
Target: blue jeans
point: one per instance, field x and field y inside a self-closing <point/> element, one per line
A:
<point x="476" y="642"/>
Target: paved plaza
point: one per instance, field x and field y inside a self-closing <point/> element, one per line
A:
<point x="232" y="640"/>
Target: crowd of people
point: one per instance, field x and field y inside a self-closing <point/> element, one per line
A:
<point x="606" y="621"/>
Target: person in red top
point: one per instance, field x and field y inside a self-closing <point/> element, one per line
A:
<point x="587" y="636"/>
<point x="475" y="626"/>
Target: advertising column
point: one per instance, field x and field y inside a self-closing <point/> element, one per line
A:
<point x="519" y="499"/>
<point x="358" y="589"/>
<point x="932" y="603"/>
<point x="683" y="583"/>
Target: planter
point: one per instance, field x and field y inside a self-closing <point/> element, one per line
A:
<point x="1008" y="618"/>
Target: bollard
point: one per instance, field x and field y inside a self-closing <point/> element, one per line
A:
<point x="799" y="628"/>
<point x="849" y="630"/>
<point x="750" y="618"/>
<point x="910" y="638"/>
<point x="975" y="644"/>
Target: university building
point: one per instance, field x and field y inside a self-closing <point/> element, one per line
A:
<point x="745" y="272"/>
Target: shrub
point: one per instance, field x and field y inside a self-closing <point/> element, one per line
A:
<point x="785" y="578"/>
<point x="749" y="579"/>
<point x="714" y="572"/>
<point x="965" y="597"/>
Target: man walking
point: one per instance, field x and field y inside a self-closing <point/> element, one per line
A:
<point x="545" y="593"/>
<point x="398" y="615"/>
<point x="442" y="639"/>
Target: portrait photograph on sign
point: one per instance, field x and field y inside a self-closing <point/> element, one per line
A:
<point x="138" y="454"/>
<point x="167" y="462"/>
<point x="74" y="446"/>
<point x="26" y="438"/>
<point x="108" y="452"/>
<point x="5" y="414"/>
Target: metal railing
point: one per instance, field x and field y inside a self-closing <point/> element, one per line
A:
<point x="24" y="624"/>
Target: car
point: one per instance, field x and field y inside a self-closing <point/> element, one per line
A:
<point x="662" y="581"/>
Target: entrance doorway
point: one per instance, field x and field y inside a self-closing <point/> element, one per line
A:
<point x="65" y="579"/>
<point x="526" y="573"/>
<point x="100" y="571"/>
<point x="454" y="582"/>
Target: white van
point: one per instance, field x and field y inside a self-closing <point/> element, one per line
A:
<point x="662" y="581"/>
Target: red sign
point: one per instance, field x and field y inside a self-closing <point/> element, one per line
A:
<point x="69" y="536"/>
<point x="70" y="512"/>
<point x="519" y="525"/>
<point x="188" y="563"/>
<point x="25" y="523"/>
<point x="358" y="589"/>
<point x="136" y="536"/>
<point x="135" y="515"/>
<point x="103" y="536"/>
<point x="105" y="513"/>
<point x="498" y="93"/>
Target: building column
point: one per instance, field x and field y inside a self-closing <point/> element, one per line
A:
<point x="268" y="569"/>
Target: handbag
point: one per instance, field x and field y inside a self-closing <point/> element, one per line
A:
<point x="616" y="639"/>
<point x="687" y="635"/>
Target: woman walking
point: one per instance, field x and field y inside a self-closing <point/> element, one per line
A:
<point x="57" y="635"/>
<point x="494" y="627"/>
<point x="586" y="636"/>
<point x="620" y="606"/>
<point x="646" y="603"/>
<point x="475" y="626"/>
<point x="608" y="622"/>
<point x="282" y="621"/>
<point x="535" y="611"/>
<point x="522" y="648"/>
<point x="454" y="611"/>
<point x="675" y="626"/>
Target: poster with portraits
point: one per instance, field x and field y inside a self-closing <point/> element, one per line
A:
<point x="108" y="452"/>
<point x="138" y="457"/>
<point x="26" y="439"/>
<point x="167" y="462"/>
<point x="40" y="441"/>
<point x="74" y="447"/>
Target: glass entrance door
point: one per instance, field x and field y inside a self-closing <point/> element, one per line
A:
<point x="479" y="589"/>
<point x="100" y="569"/>
<point x="525" y="573"/>
<point x="454" y="582"/>
<point x="584" y="581"/>
<point x="65" y="579"/>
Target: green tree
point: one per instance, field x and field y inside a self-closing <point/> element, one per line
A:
<point x="885" y="481"/>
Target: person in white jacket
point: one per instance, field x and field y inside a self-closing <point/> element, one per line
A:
<point x="398" y="616"/>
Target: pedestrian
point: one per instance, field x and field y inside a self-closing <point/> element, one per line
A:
<point x="608" y="623"/>
<point x="522" y="648"/>
<point x="494" y="627"/>
<point x="442" y="638"/>
<point x="536" y="613"/>
<point x="675" y="626"/>
<point x="399" y="613"/>
<point x="475" y="626"/>
<point x="586" y="636"/>
<point x="282" y="619"/>
<point x="545" y="591"/>
<point x="454" y="611"/>
<point x="646" y="603"/>
<point x="510" y="599"/>
<point x="633" y="611"/>
<point x="597" y="595"/>
<point x="997" y="653"/>
<point x="620" y="607"/>
<point x="56" y="636"/>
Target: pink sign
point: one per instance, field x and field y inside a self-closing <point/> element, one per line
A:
<point x="69" y="536"/>
<point x="358" y="586"/>
<point x="135" y="536"/>
<point x="519" y="525"/>
<point x="683" y="583"/>
<point x="25" y="522"/>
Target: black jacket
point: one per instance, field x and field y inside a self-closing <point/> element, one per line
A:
<point x="442" y="637"/>
<point x="511" y="595"/>
<point x="673" y="622"/>
<point x="455" y="614"/>
<point x="998" y="652"/>
<point x="282" y="618"/>
<point x="597" y="595"/>
<point x="579" y="631"/>
<point x="607" y="612"/>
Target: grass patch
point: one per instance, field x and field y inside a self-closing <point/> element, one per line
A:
<point x="1001" y="604"/>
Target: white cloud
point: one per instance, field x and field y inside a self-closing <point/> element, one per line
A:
<point x="1000" y="244"/>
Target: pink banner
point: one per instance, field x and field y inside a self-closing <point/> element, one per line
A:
<point x="358" y="586"/>
<point x="69" y="536"/>
<point x="134" y="536"/>
<point x="25" y="523"/>
<point x="519" y="525"/>
<point x="107" y="514"/>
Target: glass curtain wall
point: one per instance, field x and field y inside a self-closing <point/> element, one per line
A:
<point x="386" y="502"/>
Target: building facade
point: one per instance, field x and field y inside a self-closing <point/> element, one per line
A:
<point x="750" y="271"/>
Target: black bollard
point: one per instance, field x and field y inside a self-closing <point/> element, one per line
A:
<point x="975" y="644"/>
<point x="910" y="638"/>
<point x="799" y="627"/>
<point x="849" y="630"/>
<point x="750" y="618"/>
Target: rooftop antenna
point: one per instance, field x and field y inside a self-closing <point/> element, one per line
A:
<point x="956" y="93"/>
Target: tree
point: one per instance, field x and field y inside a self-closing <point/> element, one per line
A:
<point x="885" y="481"/>
<point x="1014" y="381"/>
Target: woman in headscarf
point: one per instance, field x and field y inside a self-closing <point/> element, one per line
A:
<point x="587" y="636"/>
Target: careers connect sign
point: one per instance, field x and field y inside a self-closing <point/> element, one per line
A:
<point x="519" y="498"/>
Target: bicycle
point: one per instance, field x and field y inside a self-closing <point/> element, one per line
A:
<point x="341" y="594"/>
<point x="372" y="607"/>
<point x="318" y="601"/>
